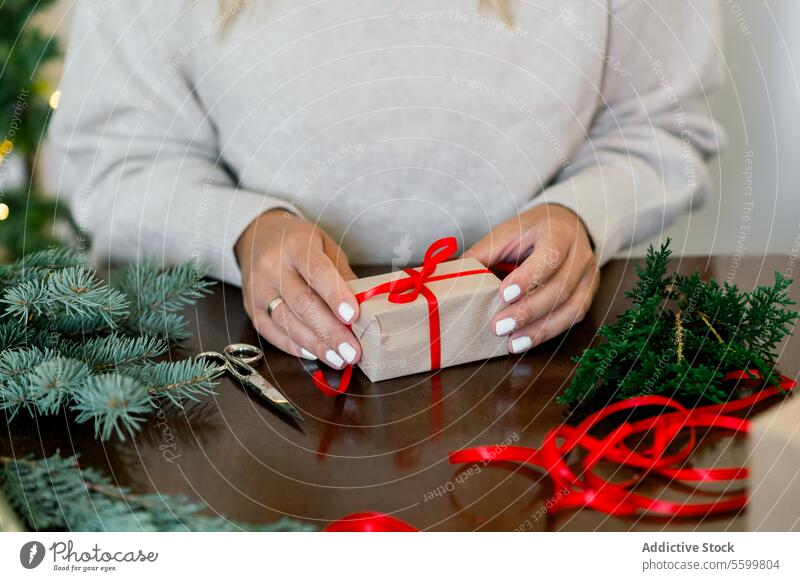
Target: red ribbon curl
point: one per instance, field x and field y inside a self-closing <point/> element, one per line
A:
<point x="587" y="489"/>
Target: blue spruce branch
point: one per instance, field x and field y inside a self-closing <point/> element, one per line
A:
<point x="57" y="494"/>
<point x="70" y="340"/>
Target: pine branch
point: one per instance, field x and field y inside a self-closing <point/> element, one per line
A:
<point x="114" y="352"/>
<point x="70" y="294"/>
<point x="151" y="288"/>
<point x="168" y="326"/>
<point x="178" y="381"/>
<point x="156" y="295"/>
<point x="45" y="381"/>
<point x="36" y="265"/>
<point x="70" y="340"/>
<point x="57" y="494"/>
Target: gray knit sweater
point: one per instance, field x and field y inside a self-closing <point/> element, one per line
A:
<point x="391" y="123"/>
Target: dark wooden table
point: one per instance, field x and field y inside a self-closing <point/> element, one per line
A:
<point x="384" y="446"/>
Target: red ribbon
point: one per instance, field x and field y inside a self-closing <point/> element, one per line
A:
<point x="370" y="522"/>
<point x="407" y="290"/>
<point x="587" y="489"/>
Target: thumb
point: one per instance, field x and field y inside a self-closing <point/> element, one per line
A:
<point x="508" y="241"/>
<point x="482" y="251"/>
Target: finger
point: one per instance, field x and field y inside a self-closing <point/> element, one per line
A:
<point x="297" y="331"/>
<point x="323" y="276"/>
<point x="338" y="344"/>
<point x="338" y="257"/>
<point x="547" y="257"/>
<point x="272" y="333"/>
<point x="511" y="240"/>
<point x="570" y="313"/>
<point x="541" y="301"/>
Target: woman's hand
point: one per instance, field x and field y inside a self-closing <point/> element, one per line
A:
<point x="282" y="255"/>
<point x="553" y="288"/>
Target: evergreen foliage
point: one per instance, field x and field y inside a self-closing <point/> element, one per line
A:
<point x="70" y="340"/>
<point x="681" y="336"/>
<point x="24" y="51"/>
<point x="58" y="494"/>
<point x="32" y="219"/>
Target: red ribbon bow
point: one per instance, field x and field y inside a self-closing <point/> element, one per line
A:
<point x="407" y="290"/>
<point x="587" y="489"/>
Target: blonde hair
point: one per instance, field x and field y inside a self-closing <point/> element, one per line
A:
<point x="500" y="7"/>
<point x="230" y="9"/>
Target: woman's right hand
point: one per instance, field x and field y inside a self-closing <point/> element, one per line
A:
<point x="281" y="254"/>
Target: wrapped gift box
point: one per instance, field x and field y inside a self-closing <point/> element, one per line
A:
<point x="774" y="462"/>
<point x="396" y="337"/>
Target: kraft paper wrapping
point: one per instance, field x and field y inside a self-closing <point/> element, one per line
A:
<point x="395" y="338"/>
<point x="774" y="462"/>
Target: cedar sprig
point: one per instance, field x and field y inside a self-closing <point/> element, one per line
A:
<point x="680" y="337"/>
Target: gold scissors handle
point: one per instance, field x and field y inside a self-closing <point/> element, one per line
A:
<point x="244" y="352"/>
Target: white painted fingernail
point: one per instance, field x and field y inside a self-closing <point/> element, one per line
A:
<point x="520" y="344"/>
<point x="511" y="292"/>
<point x="346" y="350"/>
<point x="505" y="326"/>
<point x="346" y="312"/>
<point x="307" y="354"/>
<point x="334" y="359"/>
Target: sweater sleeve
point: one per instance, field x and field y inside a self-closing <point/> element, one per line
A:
<point x="643" y="162"/>
<point x="133" y="150"/>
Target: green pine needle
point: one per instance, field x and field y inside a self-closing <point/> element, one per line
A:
<point x="115" y="403"/>
<point x="12" y="335"/>
<point x="53" y="383"/>
<point x="113" y="352"/>
<point x="160" y="324"/>
<point x="153" y="289"/>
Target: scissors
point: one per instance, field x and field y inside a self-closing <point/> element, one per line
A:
<point x="237" y="359"/>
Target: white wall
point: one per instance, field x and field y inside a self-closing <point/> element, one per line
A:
<point x="760" y="109"/>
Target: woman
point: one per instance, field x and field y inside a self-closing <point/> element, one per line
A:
<point x="280" y="141"/>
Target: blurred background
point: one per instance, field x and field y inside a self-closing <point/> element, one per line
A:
<point x="755" y="208"/>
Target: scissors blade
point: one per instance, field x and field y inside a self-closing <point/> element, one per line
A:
<point x="273" y="396"/>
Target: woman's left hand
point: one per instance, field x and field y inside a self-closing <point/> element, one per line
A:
<point x="553" y="288"/>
